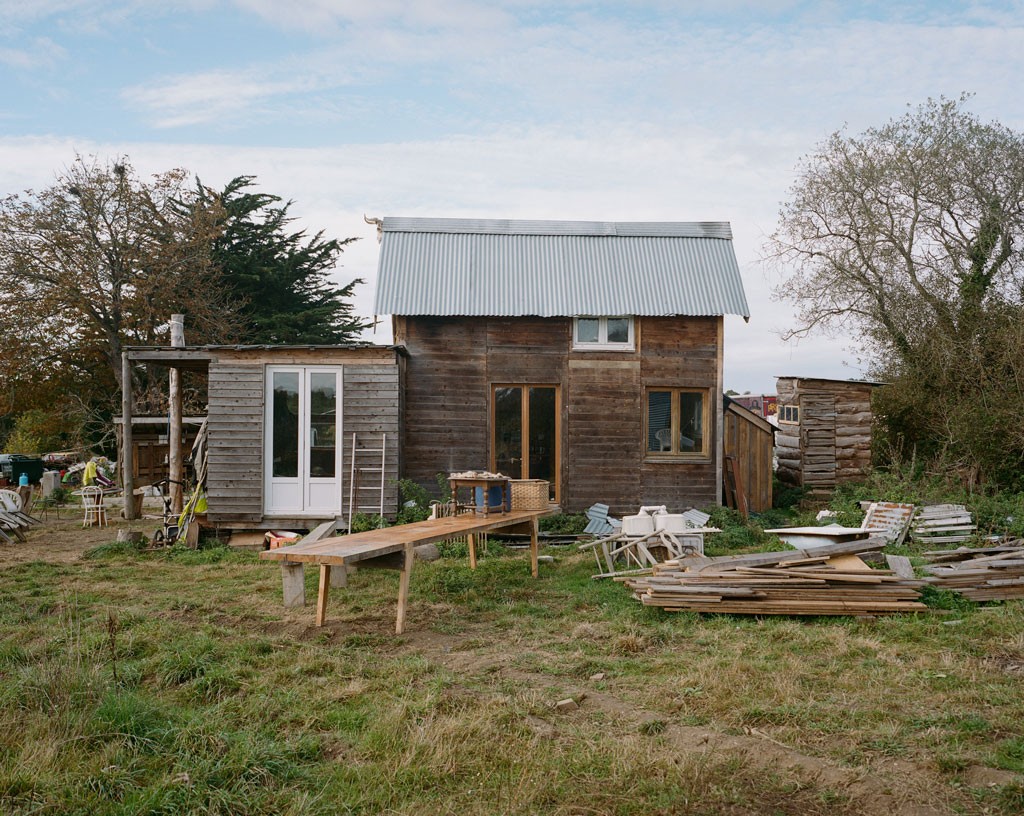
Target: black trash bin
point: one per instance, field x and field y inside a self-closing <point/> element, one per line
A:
<point x="12" y="465"/>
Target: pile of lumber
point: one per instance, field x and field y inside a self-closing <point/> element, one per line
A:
<point x="830" y="580"/>
<point x="981" y="574"/>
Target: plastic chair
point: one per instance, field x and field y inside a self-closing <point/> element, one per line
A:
<point x="92" y="503"/>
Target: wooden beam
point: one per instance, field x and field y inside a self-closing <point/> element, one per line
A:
<point x="174" y="431"/>
<point x="534" y="548"/>
<point x="323" y="593"/>
<point x="127" y="455"/>
<point x="403" y="588"/>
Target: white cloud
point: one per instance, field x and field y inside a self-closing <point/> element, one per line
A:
<point x="211" y="96"/>
<point x="326" y="16"/>
<point x="41" y="53"/>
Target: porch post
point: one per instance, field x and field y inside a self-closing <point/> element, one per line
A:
<point x="127" y="454"/>
<point x="174" y="432"/>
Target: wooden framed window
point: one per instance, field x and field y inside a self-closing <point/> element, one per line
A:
<point x="677" y="423"/>
<point x="603" y="333"/>
<point x="789" y="414"/>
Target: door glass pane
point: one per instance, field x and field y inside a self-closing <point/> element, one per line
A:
<point x="508" y="431"/>
<point x="322" y="424"/>
<point x="691" y="423"/>
<point x="588" y="330"/>
<point x="543" y="440"/>
<point x="659" y="421"/>
<point x="618" y="329"/>
<point x="285" y="445"/>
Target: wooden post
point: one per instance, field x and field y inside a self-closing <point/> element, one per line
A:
<point x="403" y="588"/>
<point x="323" y="593"/>
<point x="293" y="578"/>
<point x="534" y="547"/>
<point x="174" y="433"/>
<point x="339" y="577"/>
<point x="127" y="457"/>
<point x="471" y="541"/>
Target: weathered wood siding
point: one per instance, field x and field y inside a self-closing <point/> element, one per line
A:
<point x="453" y="362"/>
<point x="370" y="404"/>
<point x="831" y="444"/>
<point x="749" y="439"/>
<point x="371" y="401"/>
<point x="234" y="479"/>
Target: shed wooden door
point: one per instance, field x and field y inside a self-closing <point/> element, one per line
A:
<point x="818" y="439"/>
<point x="526" y="433"/>
<point x="302" y="445"/>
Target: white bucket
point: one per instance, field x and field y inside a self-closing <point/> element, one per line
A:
<point x="637" y="525"/>
<point x="670" y="523"/>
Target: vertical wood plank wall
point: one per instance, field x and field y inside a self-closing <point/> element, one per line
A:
<point x="370" y="406"/>
<point x="453" y="362"/>
<point x="751" y="443"/>
<point x="234" y="479"/>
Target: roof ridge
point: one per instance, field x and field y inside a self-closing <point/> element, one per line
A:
<point x="508" y="226"/>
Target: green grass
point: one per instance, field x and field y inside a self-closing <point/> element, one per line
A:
<point x="173" y="682"/>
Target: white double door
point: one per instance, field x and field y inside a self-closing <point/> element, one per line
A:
<point x="302" y="441"/>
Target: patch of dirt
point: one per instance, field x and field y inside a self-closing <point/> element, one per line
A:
<point x="64" y="540"/>
<point x="978" y="776"/>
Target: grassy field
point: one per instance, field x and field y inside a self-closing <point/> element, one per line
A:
<point x="176" y="683"/>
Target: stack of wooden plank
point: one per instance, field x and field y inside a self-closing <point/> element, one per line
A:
<point x="981" y="574"/>
<point x="831" y="580"/>
<point x="943" y="524"/>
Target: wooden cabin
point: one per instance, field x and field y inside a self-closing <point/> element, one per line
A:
<point x="585" y="354"/>
<point x="824" y="436"/>
<point x="283" y="422"/>
<point x="749" y="444"/>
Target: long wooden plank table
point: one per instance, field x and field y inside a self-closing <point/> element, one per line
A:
<point x="391" y="548"/>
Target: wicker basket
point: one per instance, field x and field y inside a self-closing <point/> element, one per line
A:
<point x="529" y="494"/>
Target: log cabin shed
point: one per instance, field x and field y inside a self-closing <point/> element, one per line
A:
<point x="281" y="421"/>
<point x="824" y="435"/>
<point x="586" y="354"/>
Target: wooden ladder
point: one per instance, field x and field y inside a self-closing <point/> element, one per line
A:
<point x="360" y="493"/>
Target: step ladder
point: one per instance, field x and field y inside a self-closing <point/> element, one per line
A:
<point x="367" y="478"/>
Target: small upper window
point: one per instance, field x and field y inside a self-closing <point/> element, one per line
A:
<point x="789" y="413"/>
<point x="603" y="333"/>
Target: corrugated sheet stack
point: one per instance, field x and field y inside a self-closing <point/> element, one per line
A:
<point x="829" y="580"/>
<point x="981" y="574"/>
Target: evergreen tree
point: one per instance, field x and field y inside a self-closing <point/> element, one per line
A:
<point x="280" y="280"/>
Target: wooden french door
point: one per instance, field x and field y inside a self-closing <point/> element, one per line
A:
<point x="526" y="432"/>
<point x="303" y="473"/>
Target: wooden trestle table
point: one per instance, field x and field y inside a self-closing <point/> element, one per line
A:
<point x="391" y="548"/>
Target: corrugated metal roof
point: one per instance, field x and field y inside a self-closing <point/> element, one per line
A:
<point x="441" y="266"/>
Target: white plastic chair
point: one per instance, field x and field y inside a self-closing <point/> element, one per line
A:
<point x="92" y="503"/>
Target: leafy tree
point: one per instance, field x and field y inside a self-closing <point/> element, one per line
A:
<point x="911" y="236"/>
<point x="279" y="280"/>
<point x="96" y="262"/>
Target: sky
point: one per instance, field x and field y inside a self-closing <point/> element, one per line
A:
<point x="654" y="110"/>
